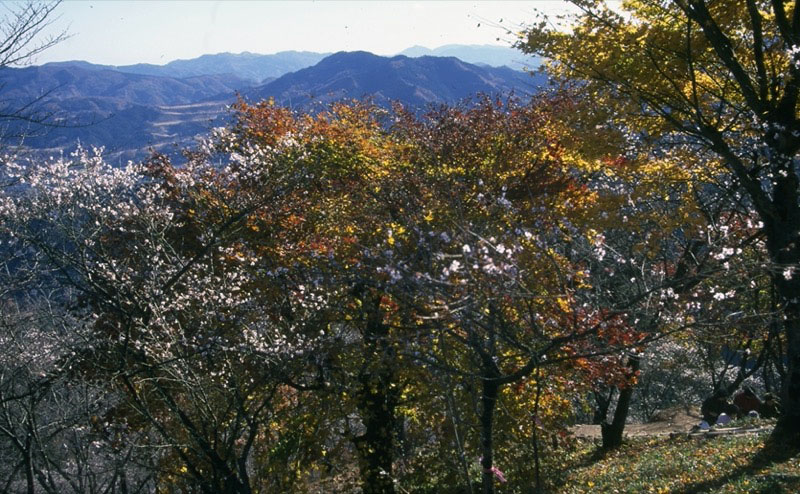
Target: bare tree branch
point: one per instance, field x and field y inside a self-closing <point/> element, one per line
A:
<point x="22" y="31"/>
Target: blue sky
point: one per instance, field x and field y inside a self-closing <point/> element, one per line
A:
<point x="126" y="32"/>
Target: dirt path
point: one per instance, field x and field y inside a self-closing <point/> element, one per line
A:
<point x="677" y="420"/>
<point x="671" y="421"/>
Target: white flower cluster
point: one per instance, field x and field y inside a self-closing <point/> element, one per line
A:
<point x="120" y="234"/>
<point x="794" y="55"/>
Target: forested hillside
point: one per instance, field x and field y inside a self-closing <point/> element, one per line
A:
<point x="371" y="278"/>
<point x="414" y="82"/>
<point x="132" y="110"/>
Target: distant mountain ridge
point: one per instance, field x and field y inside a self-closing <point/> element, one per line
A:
<point x="415" y="82"/>
<point x="256" y="68"/>
<point x="491" y="55"/>
<point x="128" y="113"/>
<point x="252" y="67"/>
<point x="111" y="89"/>
<point x="248" y="66"/>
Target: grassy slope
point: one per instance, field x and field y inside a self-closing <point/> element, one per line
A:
<point x="727" y="464"/>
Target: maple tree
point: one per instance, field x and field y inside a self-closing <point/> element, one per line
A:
<point x="663" y="245"/>
<point x="445" y="242"/>
<point x="332" y="243"/>
<point x="442" y="242"/>
<point x="719" y="81"/>
<point x="500" y="282"/>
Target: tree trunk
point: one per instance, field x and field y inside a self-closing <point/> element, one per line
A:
<point x="232" y="485"/>
<point x="783" y="243"/>
<point x="455" y="418"/>
<point x="535" y="428"/>
<point x="488" y="402"/>
<point x="788" y="427"/>
<point x="28" y="454"/>
<point x="123" y="482"/>
<point x="612" y="433"/>
<point x="376" y="402"/>
<point x="602" y="399"/>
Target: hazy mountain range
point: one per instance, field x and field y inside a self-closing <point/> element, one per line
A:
<point x="251" y="67"/>
<point x="258" y="68"/>
<point x="493" y="56"/>
<point x="129" y="109"/>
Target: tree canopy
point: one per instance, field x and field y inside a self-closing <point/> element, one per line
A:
<point x="713" y="84"/>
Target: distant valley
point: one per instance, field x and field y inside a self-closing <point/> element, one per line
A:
<point x="132" y="109"/>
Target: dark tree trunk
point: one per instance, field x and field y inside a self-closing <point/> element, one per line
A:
<point x="612" y="432"/>
<point x="488" y="402"/>
<point x="233" y="485"/>
<point x="535" y="427"/>
<point x="123" y="482"/>
<point x="376" y="401"/>
<point x="455" y="417"/>
<point x="783" y="243"/>
<point x="29" y="478"/>
<point x="788" y="427"/>
<point x="602" y="399"/>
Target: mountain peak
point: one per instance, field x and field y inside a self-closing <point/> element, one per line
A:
<point x="352" y="56"/>
<point x="416" y="82"/>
